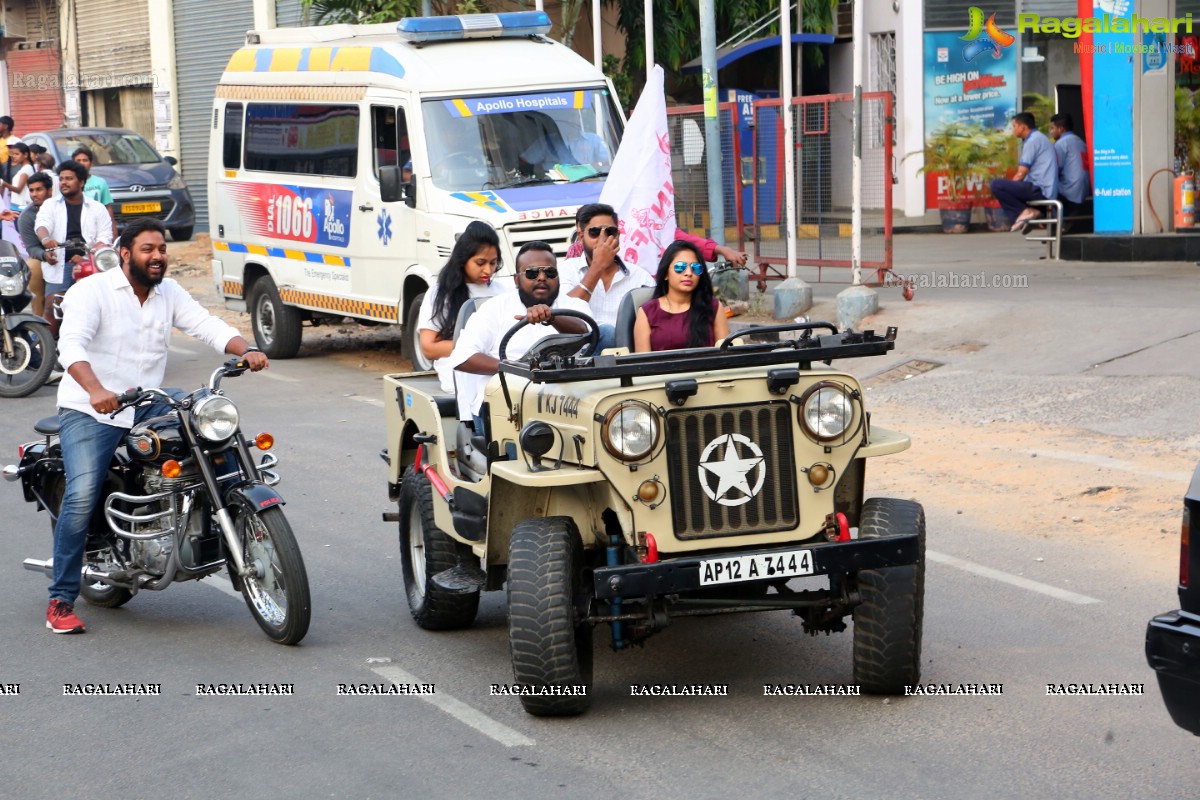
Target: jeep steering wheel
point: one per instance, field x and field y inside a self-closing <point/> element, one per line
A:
<point x="557" y="344"/>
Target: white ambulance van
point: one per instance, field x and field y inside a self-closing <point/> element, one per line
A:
<point x="346" y="159"/>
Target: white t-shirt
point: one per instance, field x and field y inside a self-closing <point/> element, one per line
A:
<point x="425" y="320"/>
<point x="483" y="333"/>
<point x="21" y="199"/>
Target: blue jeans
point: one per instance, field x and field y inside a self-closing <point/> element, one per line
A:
<point x="1013" y="195"/>
<point x="608" y="337"/>
<point x="87" y="449"/>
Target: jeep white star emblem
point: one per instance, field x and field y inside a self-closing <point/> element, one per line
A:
<point x="734" y="472"/>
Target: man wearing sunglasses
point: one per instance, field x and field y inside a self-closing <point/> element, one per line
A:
<point x="598" y="277"/>
<point x="477" y="349"/>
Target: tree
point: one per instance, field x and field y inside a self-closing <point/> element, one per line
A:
<point x="331" y="12"/>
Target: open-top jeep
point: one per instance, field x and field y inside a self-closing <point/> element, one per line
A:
<point x="631" y="489"/>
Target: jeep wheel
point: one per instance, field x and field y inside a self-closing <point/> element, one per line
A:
<point x="887" y="624"/>
<point x="547" y="590"/>
<point x="424" y="552"/>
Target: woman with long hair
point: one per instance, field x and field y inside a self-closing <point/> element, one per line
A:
<point x="22" y="171"/>
<point x="683" y="312"/>
<point x="468" y="273"/>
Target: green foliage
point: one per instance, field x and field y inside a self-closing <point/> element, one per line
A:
<point x="620" y="80"/>
<point x="1187" y="129"/>
<point x="1041" y="107"/>
<point x="960" y="150"/>
<point x="365" y="12"/>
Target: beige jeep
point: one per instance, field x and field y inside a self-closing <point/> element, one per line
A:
<point x="633" y="489"/>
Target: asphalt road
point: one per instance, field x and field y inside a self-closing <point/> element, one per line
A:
<point x="985" y="623"/>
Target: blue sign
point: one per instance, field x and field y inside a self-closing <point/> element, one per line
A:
<point x="1112" y="131"/>
<point x="511" y="103"/>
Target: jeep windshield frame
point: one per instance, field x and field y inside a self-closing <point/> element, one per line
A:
<point x="801" y="352"/>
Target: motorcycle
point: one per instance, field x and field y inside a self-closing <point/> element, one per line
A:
<point x="27" y="350"/>
<point x="182" y="500"/>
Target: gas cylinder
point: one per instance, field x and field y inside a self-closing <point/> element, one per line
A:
<point x="1185" y="201"/>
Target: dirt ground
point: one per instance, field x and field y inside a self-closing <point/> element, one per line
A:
<point x="1043" y="481"/>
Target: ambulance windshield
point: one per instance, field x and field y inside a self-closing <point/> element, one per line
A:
<point x="500" y="141"/>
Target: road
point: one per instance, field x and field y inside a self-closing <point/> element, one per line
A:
<point x="1014" y="597"/>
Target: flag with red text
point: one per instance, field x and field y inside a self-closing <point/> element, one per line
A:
<point x="639" y="184"/>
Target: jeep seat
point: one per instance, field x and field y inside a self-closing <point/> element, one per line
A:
<point x="627" y="315"/>
<point x="471" y="446"/>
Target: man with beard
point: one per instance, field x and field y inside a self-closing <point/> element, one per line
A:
<point x="70" y="215"/>
<point x="477" y="349"/>
<point x="115" y="332"/>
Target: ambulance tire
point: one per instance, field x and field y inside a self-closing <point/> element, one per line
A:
<point x="276" y="326"/>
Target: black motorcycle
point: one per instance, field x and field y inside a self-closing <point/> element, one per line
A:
<point x="27" y="350"/>
<point x="182" y="500"/>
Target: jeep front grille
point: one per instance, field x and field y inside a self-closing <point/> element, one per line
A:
<point x="714" y="455"/>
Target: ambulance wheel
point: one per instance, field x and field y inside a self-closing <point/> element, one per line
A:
<point x="276" y="326"/>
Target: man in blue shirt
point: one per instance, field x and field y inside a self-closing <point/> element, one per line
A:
<point x="1074" y="187"/>
<point x="1036" y="177"/>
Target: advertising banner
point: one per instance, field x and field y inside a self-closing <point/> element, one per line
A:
<point x="296" y="213"/>
<point x="1113" y="61"/>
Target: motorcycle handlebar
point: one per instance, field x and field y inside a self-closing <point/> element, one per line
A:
<point x="129" y="395"/>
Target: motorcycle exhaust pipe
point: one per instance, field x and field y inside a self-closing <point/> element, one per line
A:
<point x="11" y="472"/>
<point x="90" y="574"/>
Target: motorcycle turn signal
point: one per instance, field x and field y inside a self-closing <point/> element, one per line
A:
<point x="264" y="441"/>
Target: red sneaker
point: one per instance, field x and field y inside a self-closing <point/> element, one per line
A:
<point x="60" y="618"/>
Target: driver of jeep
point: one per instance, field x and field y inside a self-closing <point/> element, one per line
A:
<point x="476" y="354"/>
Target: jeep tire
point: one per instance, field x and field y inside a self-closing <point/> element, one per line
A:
<point x="547" y="591"/>
<point x="887" y="624"/>
<point x="425" y="550"/>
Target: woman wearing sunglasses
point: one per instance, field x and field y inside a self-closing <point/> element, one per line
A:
<point x="468" y="273"/>
<point x="683" y="312"/>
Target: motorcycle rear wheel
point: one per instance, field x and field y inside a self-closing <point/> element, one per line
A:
<point x="27" y="367"/>
<point x="277" y="596"/>
<point x="98" y="594"/>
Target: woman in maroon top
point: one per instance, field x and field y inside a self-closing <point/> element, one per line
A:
<point x="684" y="312"/>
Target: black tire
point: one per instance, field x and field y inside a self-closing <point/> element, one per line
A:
<point x="888" y="622"/>
<point x="547" y="590"/>
<point x="181" y="234"/>
<point x="412" y="337"/>
<point x="425" y="550"/>
<point x="276" y="326"/>
<point x="97" y="594"/>
<point x="32" y="345"/>
<point x="278" y="599"/>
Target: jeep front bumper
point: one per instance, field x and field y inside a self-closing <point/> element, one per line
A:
<point x="678" y="575"/>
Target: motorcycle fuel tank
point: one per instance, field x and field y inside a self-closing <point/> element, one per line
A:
<point x="157" y="437"/>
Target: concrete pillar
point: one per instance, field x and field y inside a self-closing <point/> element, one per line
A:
<point x="162" y="66"/>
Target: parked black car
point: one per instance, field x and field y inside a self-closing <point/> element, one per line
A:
<point x="1173" y="639"/>
<point x="143" y="183"/>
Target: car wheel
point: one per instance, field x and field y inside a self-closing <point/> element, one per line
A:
<point x="181" y="234"/>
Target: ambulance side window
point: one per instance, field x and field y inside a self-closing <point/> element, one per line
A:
<point x="232" y="139"/>
<point x="389" y="137"/>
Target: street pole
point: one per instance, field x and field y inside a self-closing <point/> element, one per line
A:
<point x="426" y="8"/>
<point x="789" y="130"/>
<point x="648" y="13"/>
<point x="597" y="56"/>
<point x="712" y="123"/>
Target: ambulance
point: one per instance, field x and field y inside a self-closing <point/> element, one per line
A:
<point x="346" y="159"/>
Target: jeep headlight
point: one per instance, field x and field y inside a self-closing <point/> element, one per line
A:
<point x="827" y="411"/>
<point x="215" y="418"/>
<point x="630" y="430"/>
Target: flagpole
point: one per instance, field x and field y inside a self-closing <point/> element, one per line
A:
<point x="856" y="164"/>
<point x="597" y="56"/>
<point x="648" y="11"/>
<point x="712" y="122"/>
<point x="789" y="129"/>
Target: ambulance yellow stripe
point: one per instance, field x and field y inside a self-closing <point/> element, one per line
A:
<point x="341" y="305"/>
<point x="337" y="261"/>
<point x="257" y="249"/>
<point x="296" y="254"/>
<point x="241" y="61"/>
<point x="462" y="108"/>
<point x="221" y="246"/>
<point x="285" y="59"/>
<point x="579" y="100"/>
<point x="352" y="59"/>
<point x="291" y="93"/>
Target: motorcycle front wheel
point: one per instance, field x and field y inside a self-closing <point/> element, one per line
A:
<point x="26" y="364"/>
<point x="277" y="594"/>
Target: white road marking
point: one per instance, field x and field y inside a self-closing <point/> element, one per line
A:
<point x="460" y="710"/>
<point x="371" y="401"/>
<point x="1111" y="463"/>
<point x="1009" y="578"/>
<point x="275" y="376"/>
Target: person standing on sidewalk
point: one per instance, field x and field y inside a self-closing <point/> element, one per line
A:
<point x="1036" y="177"/>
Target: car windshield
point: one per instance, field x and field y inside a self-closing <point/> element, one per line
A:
<point x="110" y="148"/>
<point x="499" y="141"/>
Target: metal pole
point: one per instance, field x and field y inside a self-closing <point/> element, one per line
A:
<point x="539" y="5"/>
<point x="648" y="13"/>
<point x="426" y="8"/>
<point x="597" y="56"/>
<point x="789" y="132"/>
<point x="712" y="123"/>
<point x="856" y="165"/>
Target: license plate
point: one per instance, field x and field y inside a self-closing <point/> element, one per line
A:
<point x="140" y="208"/>
<point x="736" y="569"/>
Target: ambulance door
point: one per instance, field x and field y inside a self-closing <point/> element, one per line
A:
<point x="385" y="231"/>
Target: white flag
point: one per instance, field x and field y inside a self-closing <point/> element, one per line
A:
<point x="639" y="184"/>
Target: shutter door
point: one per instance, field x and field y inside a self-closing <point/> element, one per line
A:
<point x="956" y="14"/>
<point x="114" y="45"/>
<point x="206" y="35"/>
<point x="37" y="102"/>
<point x="288" y="14"/>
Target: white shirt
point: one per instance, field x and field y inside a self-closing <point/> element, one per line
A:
<point x="603" y="302"/>
<point x="94" y="222"/>
<point x="21" y="199"/>
<point x="126" y="341"/>
<point x="483" y="333"/>
<point x="425" y="321"/>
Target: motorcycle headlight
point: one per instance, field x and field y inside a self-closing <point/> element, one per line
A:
<point x="215" y="418"/>
<point x="12" y="285"/>
<point x="106" y="258"/>
<point x="827" y="411"/>
<point x="630" y="430"/>
<point x="177" y="183"/>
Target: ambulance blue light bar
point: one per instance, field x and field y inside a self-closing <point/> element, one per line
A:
<point x="510" y="24"/>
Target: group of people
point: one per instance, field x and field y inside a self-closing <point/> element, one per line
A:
<point x="682" y="312"/>
<point x="1046" y="171"/>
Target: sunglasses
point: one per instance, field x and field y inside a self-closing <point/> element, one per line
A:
<point x="681" y="266"/>
<point x="551" y="273"/>
<point x="611" y="230"/>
